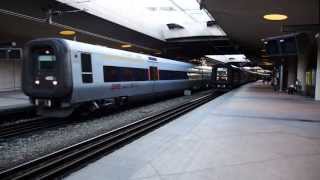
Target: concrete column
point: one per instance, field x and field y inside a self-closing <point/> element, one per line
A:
<point x="302" y="60"/>
<point x="292" y="71"/>
<point x="301" y="70"/>
<point x="317" y="93"/>
<point x="281" y="78"/>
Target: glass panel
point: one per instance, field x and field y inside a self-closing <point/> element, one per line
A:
<point x="222" y="74"/>
<point x="46" y="62"/>
<point x="172" y="75"/>
<point x="153" y="73"/>
<point x="45" y="58"/>
<point x="118" y="74"/>
<point x="86" y="65"/>
<point x="14" y="54"/>
<point x="87" y="78"/>
<point x="3" y="54"/>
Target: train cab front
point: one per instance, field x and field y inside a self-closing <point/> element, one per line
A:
<point x="221" y="79"/>
<point x="46" y="74"/>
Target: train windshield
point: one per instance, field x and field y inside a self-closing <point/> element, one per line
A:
<point x="45" y="57"/>
<point x="222" y="74"/>
<point x="222" y="71"/>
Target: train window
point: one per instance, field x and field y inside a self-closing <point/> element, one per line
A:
<point x="14" y="54"/>
<point x="222" y="71"/>
<point x="111" y="74"/>
<point x="46" y="62"/>
<point x="45" y="58"/>
<point x="117" y="74"/>
<point x="153" y="73"/>
<point x="87" y="78"/>
<point x="222" y="74"/>
<point x="127" y="74"/>
<point x="172" y="75"/>
<point x="194" y="76"/>
<point x="140" y="74"/>
<point x="86" y="67"/>
<point x="3" y="54"/>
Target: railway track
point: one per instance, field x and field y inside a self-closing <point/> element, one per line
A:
<point x="40" y="123"/>
<point x="27" y="126"/>
<point x="65" y="160"/>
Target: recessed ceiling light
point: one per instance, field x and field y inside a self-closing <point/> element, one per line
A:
<point x="275" y="17"/>
<point x="67" y="33"/>
<point x="126" y="46"/>
<point x="267" y="63"/>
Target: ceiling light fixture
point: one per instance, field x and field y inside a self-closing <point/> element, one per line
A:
<point x="126" y="46"/>
<point x="275" y="17"/>
<point x="67" y="33"/>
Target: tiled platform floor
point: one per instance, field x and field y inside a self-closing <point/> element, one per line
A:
<point x="251" y="133"/>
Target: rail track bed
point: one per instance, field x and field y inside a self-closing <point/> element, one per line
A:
<point x="70" y="158"/>
<point x="30" y="125"/>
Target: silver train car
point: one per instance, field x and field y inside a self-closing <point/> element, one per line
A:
<point x="61" y="75"/>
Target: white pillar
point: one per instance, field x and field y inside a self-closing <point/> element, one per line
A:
<point x="317" y="93"/>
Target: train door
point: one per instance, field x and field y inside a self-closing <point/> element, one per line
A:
<point x="86" y="68"/>
<point x="153" y="76"/>
<point x="85" y="78"/>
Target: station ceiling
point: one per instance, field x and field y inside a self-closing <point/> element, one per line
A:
<point x="26" y="20"/>
<point x="241" y="20"/>
<point x="152" y="18"/>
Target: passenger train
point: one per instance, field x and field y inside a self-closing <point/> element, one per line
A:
<point x="60" y="76"/>
<point x="226" y="77"/>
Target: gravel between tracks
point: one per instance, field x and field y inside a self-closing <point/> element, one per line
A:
<point x="24" y="148"/>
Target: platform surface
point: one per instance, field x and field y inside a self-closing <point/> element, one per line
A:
<point x="13" y="101"/>
<point x="251" y="133"/>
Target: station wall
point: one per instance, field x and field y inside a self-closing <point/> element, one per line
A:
<point x="10" y="75"/>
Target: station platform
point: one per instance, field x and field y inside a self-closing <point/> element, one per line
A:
<point x="13" y="102"/>
<point x="251" y="133"/>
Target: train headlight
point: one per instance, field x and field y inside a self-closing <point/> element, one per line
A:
<point x="55" y="83"/>
<point x="37" y="82"/>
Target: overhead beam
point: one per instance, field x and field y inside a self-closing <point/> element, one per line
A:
<point x="198" y="39"/>
<point x="301" y="28"/>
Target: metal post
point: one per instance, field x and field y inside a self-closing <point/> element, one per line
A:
<point x="317" y="91"/>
